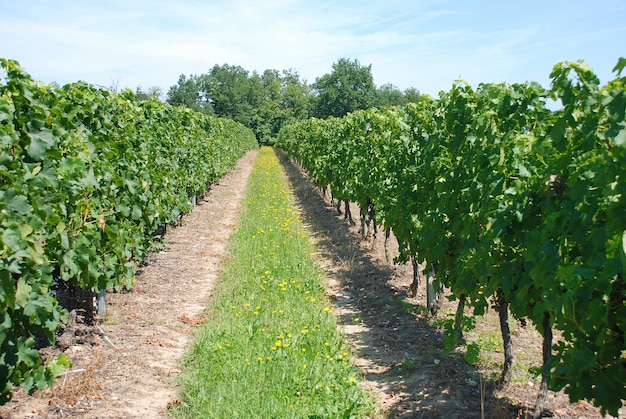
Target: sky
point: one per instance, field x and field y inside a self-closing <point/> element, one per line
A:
<point x="424" y="44"/>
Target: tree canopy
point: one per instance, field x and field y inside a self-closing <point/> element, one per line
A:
<point x="266" y="101"/>
<point x="349" y="87"/>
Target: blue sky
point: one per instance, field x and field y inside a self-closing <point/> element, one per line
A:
<point x="424" y="44"/>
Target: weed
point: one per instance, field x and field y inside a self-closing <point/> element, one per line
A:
<point x="404" y="307"/>
<point x="111" y="320"/>
<point x="406" y="365"/>
<point x="270" y="346"/>
<point x="81" y="383"/>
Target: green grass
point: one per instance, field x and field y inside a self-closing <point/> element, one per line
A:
<point x="271" y="347"/>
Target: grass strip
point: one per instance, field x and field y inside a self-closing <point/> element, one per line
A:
<point x="270" y="347"/>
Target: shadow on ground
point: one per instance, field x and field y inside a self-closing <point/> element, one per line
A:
<point x="398" y="350"/>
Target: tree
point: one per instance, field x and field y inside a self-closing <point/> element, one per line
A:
<point x="287" y="98"/>
<point x="262" y="102"/>
<point x="296" y="97"/>
<point x="187" y="93"/>
<point x="412" y="95"/>
<point x="231" y="92"/>
<point x="389" y="95"/>
<point x="153" y="92"/>
<point x="349" y="87"/>
<point x="270" y="112"/>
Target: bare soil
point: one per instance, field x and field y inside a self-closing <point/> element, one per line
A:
<point x="126" y="366"/>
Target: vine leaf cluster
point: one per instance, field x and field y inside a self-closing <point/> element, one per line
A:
<point x="513" y="205"/>
<point x="87" y="178"/>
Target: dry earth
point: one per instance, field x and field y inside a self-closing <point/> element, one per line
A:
<point x="127" y="365"/>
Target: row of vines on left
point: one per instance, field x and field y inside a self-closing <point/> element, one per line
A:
<point x="87" y="177"/>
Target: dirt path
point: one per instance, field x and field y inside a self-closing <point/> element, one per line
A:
<point x="128" y="369"/>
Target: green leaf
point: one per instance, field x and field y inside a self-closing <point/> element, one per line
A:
<point x="618" y="133"/>
<point x="472" y="354"/>
<point x="558" y="130"/>
<point x="69" y="268"/>
<point x="16" y="202"/>
<point x="37" y="255"/>
<point x="12" y="238"/>
<point x="89" y="179"/>
<point x="622" y="253"/>
<point x="22" y="293"/>
<point x="25" y="352"/>
<point x="61" y="229"/>
<point x="40" y="142"/>
<point x="621" y="63"/>
<point x="57" y="366"/>
<point x="26" y="230"/>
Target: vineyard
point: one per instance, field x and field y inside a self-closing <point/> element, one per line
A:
<point x="89" y="180"/>
<point x="511" y="204"/>
<point x="497" y="199"/>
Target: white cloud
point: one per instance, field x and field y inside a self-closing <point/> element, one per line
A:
<point x="424" y="44"/>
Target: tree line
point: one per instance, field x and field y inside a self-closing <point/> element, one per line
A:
<point x="265" y="102"/>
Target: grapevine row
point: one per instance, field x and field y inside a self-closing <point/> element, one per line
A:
<point x="86" y="179"/>
<point x="513" y="205"/>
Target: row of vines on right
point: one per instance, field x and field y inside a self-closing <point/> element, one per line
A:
<point x="512" y="203"/>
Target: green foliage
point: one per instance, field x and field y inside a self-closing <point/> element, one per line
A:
<point x="497" y="191"/>
<point x="233" y="93"/>
<point x="271" y="347"/>
<point x="188" y="93"/>
<point x="412" y="95"/>
<point x="287" y="99"/>
<point x="153" y="92"/>
<point x="472" y="354"/>
<point x="263" y="103"/>
<point x="266" y="102"/>
<point x="86" y="177"/>
<point x="349" y="87"/>
<point x="389" y="95"/>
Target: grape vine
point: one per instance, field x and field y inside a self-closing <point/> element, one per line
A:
<point x="86" y="178"/>
<point x="513" y="205"/>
